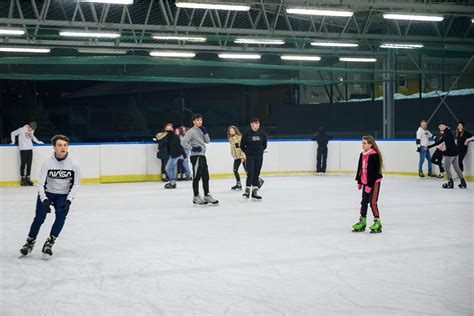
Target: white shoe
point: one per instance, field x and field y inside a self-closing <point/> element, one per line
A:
<point x="209" y="199"/>
<point x="199" y="200"/>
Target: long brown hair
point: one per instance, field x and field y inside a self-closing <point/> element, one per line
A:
<point x="237" y="132"/>
<point x="458" y="133"/>
<point x="371" y="140"/>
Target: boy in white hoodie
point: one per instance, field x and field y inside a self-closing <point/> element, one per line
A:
<point x="58" y="182"/>
<point x="423" y="139"/>
<point x="26" y="137"/>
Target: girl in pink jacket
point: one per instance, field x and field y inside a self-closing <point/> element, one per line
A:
<point x="369" y="177"/>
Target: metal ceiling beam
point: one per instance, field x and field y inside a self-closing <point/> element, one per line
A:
<point x="235" y="31"/>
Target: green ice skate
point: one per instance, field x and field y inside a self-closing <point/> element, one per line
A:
<point x="377" y="227"/>
<point x="360" y="226"/>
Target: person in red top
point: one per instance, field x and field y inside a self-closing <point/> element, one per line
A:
<point x="368" y="177"/>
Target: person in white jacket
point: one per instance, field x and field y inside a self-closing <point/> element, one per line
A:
<point x="59" y="180"/>
<point x="26" y="137"/>
<point x="423" y="139"/>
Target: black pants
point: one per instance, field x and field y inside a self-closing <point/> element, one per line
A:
<point x="371" y="198"/>
<point x="26" y="157"/>
<point x="163" y="165"/>
<point x="437" y="159"/>
<point x="322" y="157"/>
<point x="237" y="163"/>
<point x="254" y="166"/>
<point x="462" y="154"/>
<point x="200" y="171"/>
<point x="180" y="167"/>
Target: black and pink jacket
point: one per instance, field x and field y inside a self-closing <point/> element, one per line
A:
<point x="368" y="170"/>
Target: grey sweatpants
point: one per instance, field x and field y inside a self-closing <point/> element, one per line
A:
<point x="454" y="160"/>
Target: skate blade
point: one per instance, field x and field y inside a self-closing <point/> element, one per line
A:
<point x="256" y="200"/>
<point x="375" y="231"/>
<point x="358" y="231"/>
<point x="45" y="256"/>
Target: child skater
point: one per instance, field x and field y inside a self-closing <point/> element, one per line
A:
<point x="58" y="182"/>
<point x="234" y="137"/>
<point x="368" y="177"/>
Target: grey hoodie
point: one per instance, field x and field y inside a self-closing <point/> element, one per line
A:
<point x="195" y="138"/>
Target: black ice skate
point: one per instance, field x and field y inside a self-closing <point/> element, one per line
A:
<point x="463" y="184"/>
<point x="421" y="174"/>
<point x="255" y="195"/>
<point x="238" y="186"/>
<point x="28" y="247"/>
<point x="246" y="193"/>
<point x="48" y="247"/>
<point x="28" y="181"/>
<point x="260" y="182"/>
<point x="23" y="182"/>
<point x="449" y="184"/>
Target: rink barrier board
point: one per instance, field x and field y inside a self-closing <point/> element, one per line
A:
<point x="106" y="163"/>
<point x="157" y="177"/>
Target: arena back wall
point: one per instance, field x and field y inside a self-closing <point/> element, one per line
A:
<point x="128" y="162"/>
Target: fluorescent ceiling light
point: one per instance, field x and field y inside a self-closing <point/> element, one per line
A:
<point x="262" y="41"/>
<point x="212" y="6"/>
<point x="401" y="45"/>
<point x="239" y="56"/>
<point x="358" y="60"/>
<point x="173" y="54"/>
<point x="109" y="1"/>
<point x="300" y="57"/>
<point x="413" y="17"/>
<point x="102" y="51"/>
<point x="186" y="38"/>
<point x="328" y="44"/>
<point x="80" y="33"/>
<point x="472" y="20"/>
<point x="320" y="12"/>
<point x="11" y="31"/>
<point x="25" y="50"/>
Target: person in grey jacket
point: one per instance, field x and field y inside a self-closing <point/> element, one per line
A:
<point x="195" y="140"/>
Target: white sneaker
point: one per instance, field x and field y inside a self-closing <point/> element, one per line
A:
<point x="199" y="200"/>
<point x="209" y="199"/>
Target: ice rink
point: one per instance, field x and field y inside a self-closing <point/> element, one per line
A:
<point x="137" y="249"/>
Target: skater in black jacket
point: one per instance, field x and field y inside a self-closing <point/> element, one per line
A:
<point x="253" y="144"/>
<point x="322" y="153"/>
<point x="450" y="156"/>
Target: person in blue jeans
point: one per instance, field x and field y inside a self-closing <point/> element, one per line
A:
<point x="173" y="144"/>
<point x="423" y="138"/>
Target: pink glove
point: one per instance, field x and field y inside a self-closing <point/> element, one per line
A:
<point x="359" y="186"/>
<point x="367" y="189"/>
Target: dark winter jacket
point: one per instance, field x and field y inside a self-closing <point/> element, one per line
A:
<point x="322" y="138"/>
<point x="448" y="139"/>
<point x="373" y="170"/>
<point x="253" y="143"/>
<point x="461" y="139"/>
<point x="169" y="145"/>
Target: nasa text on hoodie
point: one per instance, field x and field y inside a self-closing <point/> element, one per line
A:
<point x="25" y="138"/>
<point x="59" y="177"/>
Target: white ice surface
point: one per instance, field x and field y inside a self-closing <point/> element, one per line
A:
<point x="136" y="249"/>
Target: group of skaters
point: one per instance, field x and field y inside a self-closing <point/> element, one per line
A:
<point x="451" y="148"/>
<point x="60" y="174"/>
<point x="177" y="146"/>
